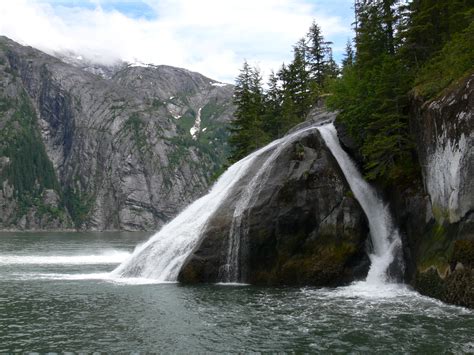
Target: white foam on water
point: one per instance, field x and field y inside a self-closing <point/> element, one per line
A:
<point x="232" y="284"/>
<point x="108" y="257"/>
<point x="101" y="276"/>
<point x="71" y="277"/>
<point x="371" y="291"/>
<point x="139" y="281"/>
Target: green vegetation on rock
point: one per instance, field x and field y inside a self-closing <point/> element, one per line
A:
<point x="452" y="63"/>
<point x="137" y="127"/>
<point x="28" y="170"/>
<point x="423" y="45"/>
<point x="78" y="204"/>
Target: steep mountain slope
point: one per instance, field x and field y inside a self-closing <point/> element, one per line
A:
<point x="79" y="150"/>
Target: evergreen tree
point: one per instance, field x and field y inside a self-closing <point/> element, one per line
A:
<point x="299" y="91"/>
<point x="372" y="93"/>
<point x="273" y="124"/>
<point x="288" y="92"/>
<point x="292" y="91"/>
<point x="429" y="24"/>
<point x="316" y="53"/>
<point x="455" y="60"/>
<point x="331" y="70"/>
<point x="298" y="81"/>
<point x="247" y="127"/>
<point x="389" y="20"/>
<point x="348" y="59"/>
<point x="370" y="40"/>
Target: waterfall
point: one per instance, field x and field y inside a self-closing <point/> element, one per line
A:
<point x="387" y="246"/>
<point x="238" y="233"/>
<point x="163" y="255"/>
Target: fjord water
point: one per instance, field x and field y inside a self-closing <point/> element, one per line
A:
<point x="56" y="295"/>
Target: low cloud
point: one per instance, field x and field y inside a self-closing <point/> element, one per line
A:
<point x="209" y="36"/>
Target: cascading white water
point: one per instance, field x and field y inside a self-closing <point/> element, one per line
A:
<point x="239" y="229"/>
<point x="163" y="255"/>
<point x="385" y="237"/>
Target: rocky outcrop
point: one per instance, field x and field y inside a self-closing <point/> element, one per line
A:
<point x="117" y="149"/>
<point x="444" y="132"/>
<point x="303" y="226"/>
<point x="348" y="143"/>
<point x="435" y="214"/>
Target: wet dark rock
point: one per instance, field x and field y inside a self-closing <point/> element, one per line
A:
<point x="347" y="142"/>
<point x="304" y="228"/>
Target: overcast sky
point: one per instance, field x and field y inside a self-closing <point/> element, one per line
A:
<point x="212" y="37"/>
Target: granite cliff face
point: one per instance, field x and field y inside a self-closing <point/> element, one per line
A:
<point x="82" y="151"/>
<point x="444" y="129"/>
<point x="438" y="216"/>
<point x="304" y="226"/>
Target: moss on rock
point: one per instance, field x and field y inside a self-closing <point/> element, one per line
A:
<point x="455" y="283"/>
<point x="463" y="252"/>
<point x="429" y="283"/>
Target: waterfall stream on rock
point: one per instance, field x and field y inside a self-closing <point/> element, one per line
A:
<point x="162" y="257"/>
<point x="387" y="246"/>
<point x="239" y="229"/>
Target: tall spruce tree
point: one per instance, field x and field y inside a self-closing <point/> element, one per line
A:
<point x="348" y="59"/>
<point x="331" y="70"/>
<point x="247" y="132"/>
<point x="299" y="81"/>
<point x="273" y="124"/>
<point x="429" y="24"/>
<point x="316" y="53"/>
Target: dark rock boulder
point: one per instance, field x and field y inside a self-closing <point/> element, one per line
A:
<point x="347" y="142"/>
<point x="456" y="284"/>
<point x="303" y="227"/>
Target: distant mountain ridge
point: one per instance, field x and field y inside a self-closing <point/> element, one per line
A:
<point x="102" y="148"/>
<point x="106" y="71"/>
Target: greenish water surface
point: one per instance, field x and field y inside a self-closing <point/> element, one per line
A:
<point x="56" y="296"/>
